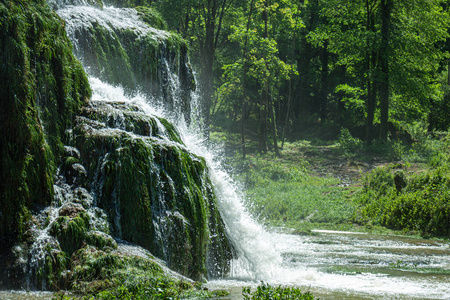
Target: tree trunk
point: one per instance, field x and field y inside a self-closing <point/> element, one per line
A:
<point x="371" y="61"/>
<point x="386" y="8"/>
<point x="274" y="127"/>
<point x="262" y="132"/>
<point x="244" y="81"/>
<point x="324" y="81"/>
<point x="263" y="110"/>
<point x="288" y="109"/>
<point x="211" y="10"/>
<point x="207" y="71"/>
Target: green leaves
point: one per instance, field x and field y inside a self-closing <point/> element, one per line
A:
<point x="264" y="292"/>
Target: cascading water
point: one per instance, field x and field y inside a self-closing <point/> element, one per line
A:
<point x="255" y="257"/>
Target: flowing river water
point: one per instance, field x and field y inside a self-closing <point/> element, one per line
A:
<point x="345" y="265"/>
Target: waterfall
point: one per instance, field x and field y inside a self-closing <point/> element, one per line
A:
<point x="135" y="181"/>
<point x="255" y="257"/>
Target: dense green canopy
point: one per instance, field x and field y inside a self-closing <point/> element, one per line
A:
<point x="369" y="64"/>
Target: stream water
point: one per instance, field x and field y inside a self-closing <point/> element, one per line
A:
<point x="344" y="265"/>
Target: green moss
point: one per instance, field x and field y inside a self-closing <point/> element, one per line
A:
<point x="71" y="232"/>
<point x="50" y="271"/>
<point x="100" y="240"/>
<point x="151" y="17"/>
<point x="156" y="194"/>
<point x="43" y="87"/>
<point x="93" y="270"/>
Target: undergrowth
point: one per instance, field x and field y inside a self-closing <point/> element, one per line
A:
<point x="265" y="292"/>
<point x="280" y="193"/>
<point x="411" y="202"/>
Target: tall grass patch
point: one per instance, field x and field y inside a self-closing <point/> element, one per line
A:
<point x="280" y="193"/>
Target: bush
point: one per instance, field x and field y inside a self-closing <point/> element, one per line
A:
<point x="348" y="142"/>
<point x="420" y="202"/>
<point x="265" y="291"/>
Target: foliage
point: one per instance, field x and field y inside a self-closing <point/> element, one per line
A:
<point x="418" y="202"/>
<point x="348" y="142"/>
<point x="264" y="292"/>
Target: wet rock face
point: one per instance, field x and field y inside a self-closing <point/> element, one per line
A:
<point x="42" y="88"/>
<point x="155" y="192"/>
<point x="119" y="46"/>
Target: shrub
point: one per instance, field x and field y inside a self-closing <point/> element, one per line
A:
<point x="348" y="142"/>
<point x="420" y="202"/>
<point x="265" y="291"/>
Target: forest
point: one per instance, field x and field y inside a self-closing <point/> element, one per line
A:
<point x="374" y="67"/>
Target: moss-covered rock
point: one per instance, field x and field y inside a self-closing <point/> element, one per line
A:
<point x="155" y="192"/>
<point x="152" y="17"/>
<point x="42" y="88"/>
<point x="133" y="54"/>
<point x="121" y="275"/>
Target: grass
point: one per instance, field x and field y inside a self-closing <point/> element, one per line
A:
<point x="265" y="291"/>
<point x="323" y="184"/>
<point x="284" y="194"/>
<point x="288" y="191"/>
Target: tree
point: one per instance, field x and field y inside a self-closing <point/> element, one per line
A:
<point x="260" y="69"/>
<point x="386" y="11"/>
<point x="389" y="48"/>
<point x="201" y="22"/>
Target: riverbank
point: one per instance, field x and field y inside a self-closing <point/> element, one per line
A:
<point x="341" y="183"/>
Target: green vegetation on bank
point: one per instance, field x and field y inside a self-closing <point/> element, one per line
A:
<point x="414" y="202"/>
<point x="284" y="194"/>
<point x="345" y="184"/>
<point x="265" y="292"/>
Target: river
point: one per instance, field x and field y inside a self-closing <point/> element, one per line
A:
<point x="346" y="265"/>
